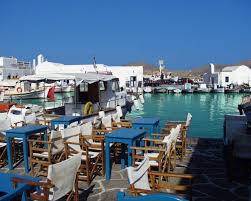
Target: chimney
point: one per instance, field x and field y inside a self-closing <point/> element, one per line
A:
<point x="34" y="63"/>
<point x="211" y="68"/>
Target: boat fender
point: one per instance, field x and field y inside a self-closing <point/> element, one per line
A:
<point x="19" y="90"/>
<point x="88" y="108"/>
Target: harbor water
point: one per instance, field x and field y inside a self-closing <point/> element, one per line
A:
<point x="208" y="110"/>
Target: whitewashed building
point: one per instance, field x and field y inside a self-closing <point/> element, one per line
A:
<point x="129" y="76"/>
<point x="11" y="68"/>
<point x="236" y="75"/>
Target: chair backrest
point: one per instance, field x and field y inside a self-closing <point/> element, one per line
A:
<point x="63" y="176"/>
<point x="138" y="177"/>
<point x="57" y="142"/>
<point x="116" y="117"/>
<point x="101" y="114"/>
<point x="189" y="119"/>
<point x="107" y="121"/>
<point x="119" y="111"/>
<point x="5" y="124"/>
<point x="30" y="119"/>
<point x="71" y="134"/>
<point x="86" y="129"/>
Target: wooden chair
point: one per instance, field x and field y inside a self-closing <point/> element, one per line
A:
<point x="181" y="146"/>
<point x="141" y="184"/>
<point x="117" y="122"/>
<point x="46" y="153"/>
<point x="62" y="180"/>
<point x="162" y="156"/>
<point x="5" y="124"/>
<point x="90" y="160"/>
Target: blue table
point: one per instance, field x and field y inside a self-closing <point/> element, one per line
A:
<point x="125" y="136"/>
<point x="151" y="197"/>
<point x="23" y="132"/>
<point x="7" y="187"/>
<point x="148" y="123"/>
<point x="65" y="120"/>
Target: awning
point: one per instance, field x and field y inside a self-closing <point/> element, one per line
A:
<point x="79" y="78"/>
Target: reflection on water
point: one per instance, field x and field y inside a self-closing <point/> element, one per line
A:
<point x="208" y="110"/>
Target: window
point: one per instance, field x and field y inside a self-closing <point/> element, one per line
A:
<point x="83" y="87"/>
<point x="115" y="86"/>
<point x="226" y="79"/>
<point x="139" y="83"/>
<point x="127" y="83"/>
<point x="101" y="86"/>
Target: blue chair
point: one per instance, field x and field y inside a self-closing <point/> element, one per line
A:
<point x="152" y="197"/>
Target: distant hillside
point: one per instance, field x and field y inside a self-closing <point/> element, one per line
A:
<point x="193" y="73"/>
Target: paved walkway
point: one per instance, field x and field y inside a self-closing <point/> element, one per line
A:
<point x="204" y="160"/>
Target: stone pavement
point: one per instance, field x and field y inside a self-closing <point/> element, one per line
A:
<point x="204" y="160"/>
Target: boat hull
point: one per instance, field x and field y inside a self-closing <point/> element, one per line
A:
<point x="26" y="95"/>
<point x="187" y="91"/>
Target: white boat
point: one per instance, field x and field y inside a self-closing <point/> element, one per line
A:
<point x="177" y="91"/>
<point x="63" y="89"/>
<point x="202" y="89"/>
<point x="148" y="89"/>
<point x="14" y="89"/>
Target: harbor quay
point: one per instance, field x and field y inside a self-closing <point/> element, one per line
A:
<point x="204" y="160"/>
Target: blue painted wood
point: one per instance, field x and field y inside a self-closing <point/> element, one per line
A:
<point x="65" y="120"/>
<point x="7" y="187"/>
<point x="23" y="132"/>
<point x="151" y="197"/>
<point x="149" y="123"/>
<point x="127" y="136"/>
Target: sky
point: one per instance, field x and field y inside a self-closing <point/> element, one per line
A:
<point x="184" y="33"/>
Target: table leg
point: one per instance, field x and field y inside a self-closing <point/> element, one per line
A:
<point x="45" y="138"/>
<point x="53" y="125"/>
<point x="130" y="153"/>
<point x="122" y="158"/>
<point x="25" y="149"/>
<point x="107" y="161"/>
<point x="9" y="153"/>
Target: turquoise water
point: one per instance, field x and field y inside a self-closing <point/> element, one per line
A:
<point x="208" y="110"/>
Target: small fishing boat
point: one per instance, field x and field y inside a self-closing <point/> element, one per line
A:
<point x="177" y="91"/>
<point x="160" y="90"/>
<point x="187" y="91"/>
<point x="148" y="89"/>
<point x="234" y="90"/>
<point x="188" y="88"/>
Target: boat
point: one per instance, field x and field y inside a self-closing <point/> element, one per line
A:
<point x="93" y="92"/>
<point x="232" y="89"/>
<point x="16" y="89"/>
<point x="218" y="89"/>
<point x="160" y="90"/>
<point x="188" y="88"/>
<point x="177" y="91"/>
<point x="63" y="89"/>
<point x="187" y="91"/>
<point x="148" y="89"/>
<point x="202" y="89"/>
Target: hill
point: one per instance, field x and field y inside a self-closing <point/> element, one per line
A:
<point x="195" y="72"/>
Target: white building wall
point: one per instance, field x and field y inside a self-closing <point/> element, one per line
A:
<point x="8" y="62"/>
<point x="239" y="76"/>
<point x="125" y="72"/>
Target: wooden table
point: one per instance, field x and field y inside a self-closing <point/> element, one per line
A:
<point x="127" y="136"/>
<point x="6" y="186"/>
<point x="23" y="132"/>
<point x="65" y="120"/>
<point x="148" y="123"/>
